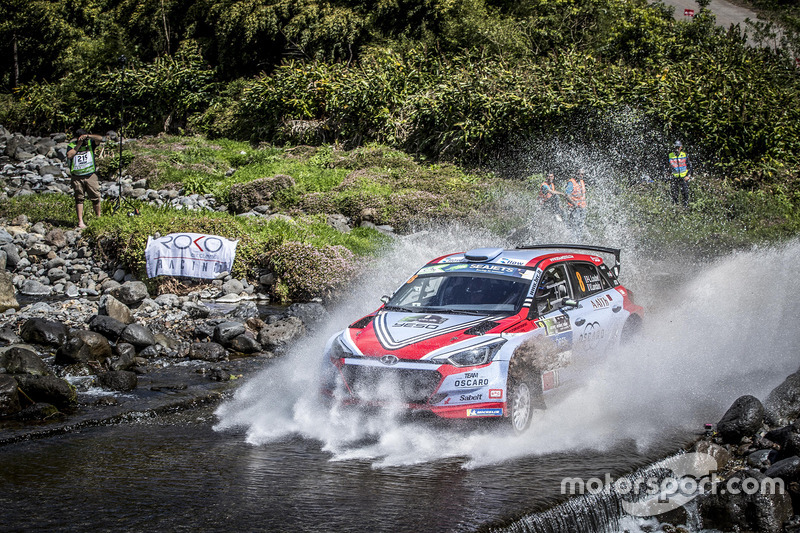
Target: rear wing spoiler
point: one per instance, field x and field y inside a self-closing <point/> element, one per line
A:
<point x="598" y="249"/>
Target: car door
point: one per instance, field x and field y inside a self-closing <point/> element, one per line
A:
<point x="598" y="317"/>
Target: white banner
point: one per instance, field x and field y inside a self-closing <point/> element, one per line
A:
<point x="192" y="255"/>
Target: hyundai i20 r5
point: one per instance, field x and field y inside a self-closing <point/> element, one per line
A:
<point x="484" y="333"/>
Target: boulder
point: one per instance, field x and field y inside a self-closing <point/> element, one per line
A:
<point x="783" y="403"/>
<point x="244" y="311"/>
<point x="12" y="255"/>
<point x="56" y="238"/>
<point x="8" y="298"/>
<point x="137" y="335"/>
<point x="207" y="351"/>
<point x="311" y="313"/>
<point x="749" y="512"/>
<point x="8" y="337"/>
<point x="226" y="331"/>
<point x="130" y="292"/>
<point x="196" y="310"/>
<point x="118" y="380"/>
<point x="31" y="287"/>
<point x="38" y="411"/>
<point x="49" y="389"/>
<point x="83" y="347"/>
<point x="41" y="331"/>
<point x="787" y="469"/>
<point x="125" y="359"/>
<point x="9" y="397"/>
<point x="233" y="286"/>
<point x="742" y="419"/>
<point x="115" y="309"/>
<point x="107" y="326"/>
<point x="20" y="360"/>
<point x="281" y="333"/>
<point x="245" y="343"/>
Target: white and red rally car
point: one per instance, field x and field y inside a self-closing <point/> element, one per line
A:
<point x="484" y="333"/>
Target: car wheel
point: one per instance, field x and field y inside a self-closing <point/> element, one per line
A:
<point x="630" y="330"/>
<point x="525" y="399"/>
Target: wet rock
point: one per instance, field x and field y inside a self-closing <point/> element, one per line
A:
<point x="83" y="347"/>
<point x="31" y="287"/>
<point x="207" y="351"/>
<point x="312" y="313"/>
<point x="196" y="310"/>
<point x="49" y="389"/>
<point x="39" y="411"/>
<point x="787" y="469"/>
<point x="281" y="333"/>
<point x="118" y="380"/>
<point x="783" y="403"/>
<point x="19" y="360"/>
<point x="204" y="330"/>
<point x="245" y="343"/>
<point x="46" y="332"/>
<point x="233" y="286"/>
<point x="9" y="397"/>
<point x="761" y="458"/>
<point x="115" y="309"/>
<point x="742" y="419"/>
<point x="130" y="292"/>
<point x="107" y="326"/>
<point x="226" y="331"/>
<point x="125" y="356"/>
<point x="149" y="352"/>
<point x="751" y="512"/>
<point x="8" y="298"/>
<point x="7" y="337"/>
<point x="244" y="311"/>
<point x="138" y="335"/>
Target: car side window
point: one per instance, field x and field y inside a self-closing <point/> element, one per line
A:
<point x="552" y="289"/>
<point x="587" y="280"/>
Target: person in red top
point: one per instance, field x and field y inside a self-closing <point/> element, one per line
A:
<point x="576" y="203"/>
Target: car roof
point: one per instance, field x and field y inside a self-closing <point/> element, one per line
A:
<point x="531" y="255"/>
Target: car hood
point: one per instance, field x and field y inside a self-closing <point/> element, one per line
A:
<point x="414" y="335"/>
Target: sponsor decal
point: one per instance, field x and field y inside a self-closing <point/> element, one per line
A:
<point x="528" y="274"/>
<point x="580" y="281"/>
<point x="495" y="394"/>
<point x="471" y="379"/>
<point x="384" y="334"/>
<point x="420" y="321"/>
<point x="600" y="303"/>
<point x="534" y="283"/>
<point x="470" y="397"/>
<point x="561" y="258"/>
<point x="389" y="360"/>
<point x="596" y="260"/>
<point x="592" y="335"/>
<point x="494" y="268"/>
<point x="554" y="325"/>
<point x="593" y="282"/>
<point x="510" y="261"/>
<point x="485" y="412"/>
<point x="454" y="259"/>
<point x="519" y="327"/>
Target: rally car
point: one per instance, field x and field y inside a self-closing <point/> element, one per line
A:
<point x="484" y="333"/>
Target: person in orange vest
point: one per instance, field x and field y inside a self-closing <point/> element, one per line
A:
<point x="548" y="196"/>
<point x="679" y="170"/>
<point x="576" y="202"/>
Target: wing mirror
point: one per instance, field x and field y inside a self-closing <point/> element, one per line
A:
<point x="569" y="302"/>
<point x="384" y="299"/>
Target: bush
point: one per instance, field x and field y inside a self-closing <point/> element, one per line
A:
<point x="305" y="272"/>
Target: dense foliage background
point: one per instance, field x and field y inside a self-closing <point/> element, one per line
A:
<point x="454" y="79"/>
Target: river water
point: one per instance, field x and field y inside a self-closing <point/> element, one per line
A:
<point x="271" y="458"/>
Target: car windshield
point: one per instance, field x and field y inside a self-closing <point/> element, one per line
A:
<point x="460" y="293"/>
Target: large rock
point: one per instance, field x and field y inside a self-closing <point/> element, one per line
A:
<point x="245" y="343"/>
<point x="226" y="331"/>
<point x="8" y="298"/>
<point x="48" y="389"/>
<point x="110" y="327"/>
<point x="742" y="419"/>
<point x="787" y="469"/>
<point x="195" y="309"/>
<point x="280" y="333"/>
<point x="55" y="237"/>
<point x="31" y="287"/>
<point x="138" y="335"/>
<point x="9" y="397"/>
<point x="125" y="360"/>
<point x="117" y="310"/>
<point x="83" y="347"/>
<point x="41" y="331"/>
<point x="118" y="380"/>
<point x="130" y="292"/>
<point x="207" y="351"/>
<point x="12" y="255"/>
<point x="20" y="360"/>
<point x="312" y="313"/>
<point x="783" y="403"/>
<point x="764" y="513"/>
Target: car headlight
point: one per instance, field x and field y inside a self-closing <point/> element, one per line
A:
<point x="478" y="355"/>
<point x="339" y="350"/>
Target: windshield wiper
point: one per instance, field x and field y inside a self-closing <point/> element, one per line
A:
<point x="398" y="308"/>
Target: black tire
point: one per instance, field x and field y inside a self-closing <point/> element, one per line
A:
<point x="630" y="330"/>
<point x="525" y="397"/>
